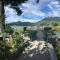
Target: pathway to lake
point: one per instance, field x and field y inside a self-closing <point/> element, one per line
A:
<point x="38" y="50"/>
<point x="35" y="51"/>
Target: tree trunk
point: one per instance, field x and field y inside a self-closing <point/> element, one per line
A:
<point x="2" y="16"/>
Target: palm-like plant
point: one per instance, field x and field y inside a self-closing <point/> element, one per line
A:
<point x="14" y="4"/>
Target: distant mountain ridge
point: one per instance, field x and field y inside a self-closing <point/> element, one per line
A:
<point x="49" y="20"/>
<point x="44" y="21"/>
<point x="19" y="23"/>
<point x="52" y="19"/>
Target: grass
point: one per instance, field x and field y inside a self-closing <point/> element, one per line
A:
<point x="58" y="52"/>
<point x="56" y="28"/>
<point x="19" y="30"/>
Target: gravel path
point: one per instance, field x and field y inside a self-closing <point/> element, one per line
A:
<point x="35" y="51"/>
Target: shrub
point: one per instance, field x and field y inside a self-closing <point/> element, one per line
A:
<point x="55" y="24"/>
<point x="4" y="50"/>
<point x="8" y="29"/>
<point x="58" y="52"/>
<point x="17" y="41"/>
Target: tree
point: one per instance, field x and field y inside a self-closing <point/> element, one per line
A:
<point x="37" y="1"/>
<point x="24" y="28"/>
<point x="14" y="4"/>
<point x="1" y="15"/>
<point x="55" y="24"/>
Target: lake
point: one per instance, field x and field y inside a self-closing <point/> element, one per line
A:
<point x="28" y="27"/>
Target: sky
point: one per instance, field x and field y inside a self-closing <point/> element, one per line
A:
<point x="33" y="11"/>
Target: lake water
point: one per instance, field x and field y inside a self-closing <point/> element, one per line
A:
<point x="21" y="27"/>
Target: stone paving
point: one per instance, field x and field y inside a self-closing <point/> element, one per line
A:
<point x="37" y="50"/>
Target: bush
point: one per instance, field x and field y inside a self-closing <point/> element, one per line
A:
<point x="7" y="52"/>
<point x="17" y="47"/>
<point x="55" y="24"/>
<point x="4" y="50"/>
<point x="58" y="52"/>
<point x="17" y="41"/>
<point x="8" y="29"/>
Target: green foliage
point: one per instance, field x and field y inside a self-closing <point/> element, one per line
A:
<point x="14" y="4"/>
<point x="58" y="51"/>
<point x="8" y="29"/>
<point x="18" y="40"/>
<point x="43" y="24"/>
<point x="55" y="24"/>
<point x="4" y="50"/>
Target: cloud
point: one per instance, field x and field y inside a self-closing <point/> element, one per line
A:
<point x="55" y="4"/>
<point x="55" y="8"/>
<point x="9" y="11"/>
<point x="11" y="14"/>
<point x="33" y="11"/>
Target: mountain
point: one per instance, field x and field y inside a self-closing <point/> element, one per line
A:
<point x="19" y="23"/>
<point x="45" y="21"/>
<point x="57" y="19"/>
<point x="49" y="20"/>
